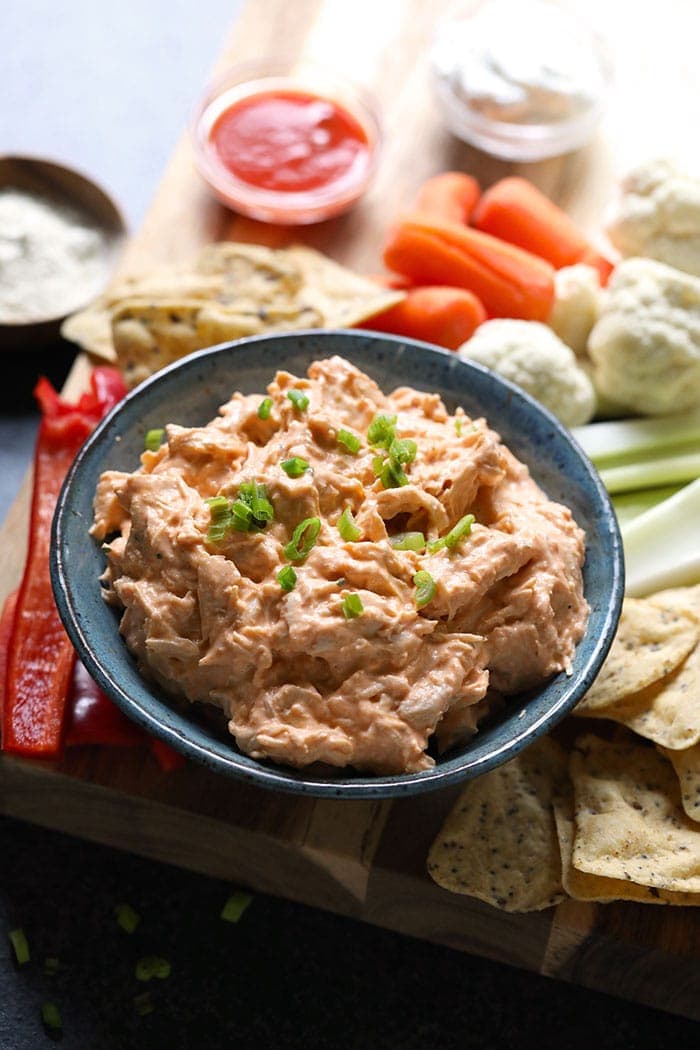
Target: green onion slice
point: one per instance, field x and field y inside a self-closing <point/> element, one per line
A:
<point x="408" y="541"/>
<point x="452" y="538"/>
<point x="237" y="903"/>
<point x="351" y="441"/>
<point x="425" y="587"/>
<point x="52" y="965"/>
<point x="127" y="917"/>
<point x="153" y="439"/>
<point x="303" y="539"/>
<point x="299" y="399"/>
<point x="347" y="527"/>
<point x="149" y="966"/>
<point x="459" y="422"/>
<point x="20" y="945"/>
<point x="51" y="1016"/>
<point x="392" y="475"/>
<point x="264" y="408"/>
<point x="402" y="450"/>
<point x="352" y="606"/>
<point x="381" y="430"/>
<point x="287" y="578"/>
<point x="143" y="1004"/>
<point x="295" y="467"/>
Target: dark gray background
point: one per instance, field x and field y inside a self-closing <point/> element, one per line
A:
<point x="109" y="88"/>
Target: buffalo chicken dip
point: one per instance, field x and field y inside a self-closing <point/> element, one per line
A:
<point x="350" y="576"/>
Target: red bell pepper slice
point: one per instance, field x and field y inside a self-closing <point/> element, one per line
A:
<point x="94" y="719"/>
<point x="41" y="658"/>
<point x="6" y="620"/>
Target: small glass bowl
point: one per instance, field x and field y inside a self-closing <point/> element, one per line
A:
<point x="487" y="58"/>
<point x="284" y="207"/>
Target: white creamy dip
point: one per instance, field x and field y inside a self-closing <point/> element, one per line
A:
<point x="51" y="260"/>
<point x="528" y="64"/>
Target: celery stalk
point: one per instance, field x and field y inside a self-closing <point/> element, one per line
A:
<point x="662" y="545"/>
<point x="659" y="470"/>
<point x="628" y="505"/>
<point x="617" y="441"/>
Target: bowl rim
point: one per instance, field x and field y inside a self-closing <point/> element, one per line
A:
<point x="277" y="776"/>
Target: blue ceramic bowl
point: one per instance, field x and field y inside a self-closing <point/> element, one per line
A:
<point x="189" y="392"/>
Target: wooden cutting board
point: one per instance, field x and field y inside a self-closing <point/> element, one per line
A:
<point x="367" y="859"/>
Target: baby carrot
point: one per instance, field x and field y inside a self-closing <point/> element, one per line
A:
<point x="509" y="282"/>
<point x="451" y="195"/>
<point x="434" y="314"/>
<point x="517" y="211"/>
<point x="599" y="262"/>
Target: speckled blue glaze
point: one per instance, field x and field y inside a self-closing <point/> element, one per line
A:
<point x="190" y="392"/>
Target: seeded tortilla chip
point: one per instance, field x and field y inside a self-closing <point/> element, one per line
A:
<point x="666" y="712"/>
<point x="630" y="823"/>
<point x="651" y="641"/>
<point x="229" y="291"/>
<point x="582" y="886"/>
<point x="687" y="767"/>
<point x="499" y="842"/>
<point x="685" y="598"/>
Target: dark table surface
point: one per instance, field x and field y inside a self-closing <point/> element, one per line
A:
<point x="108" y="89"/>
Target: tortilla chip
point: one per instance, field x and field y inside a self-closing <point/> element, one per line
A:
<point x="499" y="842"/>
<point x="685" y="598"/>
<point x="652" y="639"/>
<point x="686" y="764"/>
<point x="666" y="712"/>
<point x="630" y="823"/>
<point x="582" y="886"/>
<point x="150" y="335"/>
<point x="229" y="291"/>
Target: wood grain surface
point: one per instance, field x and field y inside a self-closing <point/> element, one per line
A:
<point x="367" y="859"/>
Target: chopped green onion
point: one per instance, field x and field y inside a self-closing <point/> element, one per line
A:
<point x="20" y="945"/>
<point x="153" y="439"/>
<point x="408" y="541"/>
<point x="452" y="538"/>
<point x="381" y="430"/>
<point x="459" y="423"/>
<point x="352" y="606"/>
<point x="51" y="1016"/>
<point x="458" y="531"/>
<point x="235" y="905"/>
<point x="149" y="966"/>
<point x="299" y="399"/>
<point x="347" y="527"/>
<point x="250" y="510"/>
<point x="351" y="442"/>
<point x="402" y="450"/>
<point x="51" y="965"/>
<point x="127" y="917"/>
<point x="295" y="467"/>
<point x="303" y="539"/>
<point x="143" y="1004"/>
<point x="392" y="475"/>
<point x="287" y="578"/>
<point x="425" y="587"/>
<point x="264" y="408"/>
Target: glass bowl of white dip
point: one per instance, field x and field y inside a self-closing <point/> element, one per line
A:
<point x="60" y="238"/>
<point x="521" y="80"/>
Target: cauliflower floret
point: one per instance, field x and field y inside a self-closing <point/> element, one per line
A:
<point x="530" y="354"/>
<point x="657" y="215"/>
<point x="645" y="345"/>
<point x="576" y="305"/>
